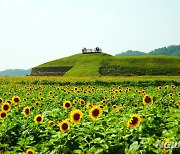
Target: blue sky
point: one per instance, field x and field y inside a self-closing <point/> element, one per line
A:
<point x="36" y="31"/>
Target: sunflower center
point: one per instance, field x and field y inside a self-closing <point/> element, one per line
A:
<point x="16" y="99"/>
<point x="39" y="119"/>
<point x="67" y="105"/>
<point x="76" y="116"/>
<point x="64" y="126"/>
<point x="95" y="112"/>
<point x="9" y="102"/>
<point x="114" y="106"/>
<point x="147" y="99"/>
<point x="0" y="100"/>
<point x="134" y="120"/>
<point x="30" y="152"/>
<point x="27" y="111"/>
<point x="6" y="107"/>
<point x="3" y="115"/>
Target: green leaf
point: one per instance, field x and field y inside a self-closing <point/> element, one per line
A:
<point x="134" y="146"/>
<point x="99" y="151"/>
<point x="80" y="138"/>
<point x="77" y="151"/>
<point x="97" y="140"/>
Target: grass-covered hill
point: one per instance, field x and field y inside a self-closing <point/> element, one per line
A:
<point x="101" y="64"/>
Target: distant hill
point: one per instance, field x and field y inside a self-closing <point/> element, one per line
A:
<point x="172" y="50"/>
<point x="132" y="53"/>
<point x="102" y="64"/>
<point x="15" y="72"/>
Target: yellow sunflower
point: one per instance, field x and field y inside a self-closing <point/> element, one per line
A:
<point x="30" y="151"/>
<point x="64" y="126"/>
<point x="75" y="101"/>
<point x="120" y="109"/>
<point x="3" y="114"/>
<point x="178" y="94"/>
<point x="1" y="100"/>
<point x="114" y="106"/>
<point x="159" y="87"/>
<point x="33" y="100"/>
<point x="134" y="121"/>
<point x="16" y="100"/>
<point x="104" y="101"/>
<point x="38" y="118"/>
<point x="82" y="102"/>
<point x="75" y="89"/>
<point x="136" y="105"/>
<point x="88" y="105"/>
<point x="133" y="95"/>
<point x="170" y="95"/>
<point x="51" y="123"/>
<point x="95" y="112"/>
<point x="67" y="104"/>
<point x="6" y="107"/>
<point x="50" y="93"/>
<point x="166" y="87"/>
<point x="76" y="116"/>
<point x="173" y="87"/>
<point x="37" y="103"/>
<point x="147" y="99"/>
<point x="26" y="111"/>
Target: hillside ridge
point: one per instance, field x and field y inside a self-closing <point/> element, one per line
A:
<point x="102" y="64"/>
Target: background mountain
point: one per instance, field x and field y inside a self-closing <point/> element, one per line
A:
<point x="172" y="50"/>
<point x="131" y="53"/>
<point x="15" y="72"/>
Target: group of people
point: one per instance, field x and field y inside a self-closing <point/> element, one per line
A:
<point x="97" y="49"/>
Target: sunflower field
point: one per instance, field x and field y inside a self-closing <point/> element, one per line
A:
<point x="53" y="118"/>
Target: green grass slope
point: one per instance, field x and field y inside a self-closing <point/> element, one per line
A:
<point x="83" y="64"/>
<point x="142" y="65"/>
<point x="101" y="64"/>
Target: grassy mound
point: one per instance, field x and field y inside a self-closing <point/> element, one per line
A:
<point x="101" y="64"/>
<point x="83" y="64"/>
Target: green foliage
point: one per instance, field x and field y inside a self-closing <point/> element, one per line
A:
<point x="110" y="133"/>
